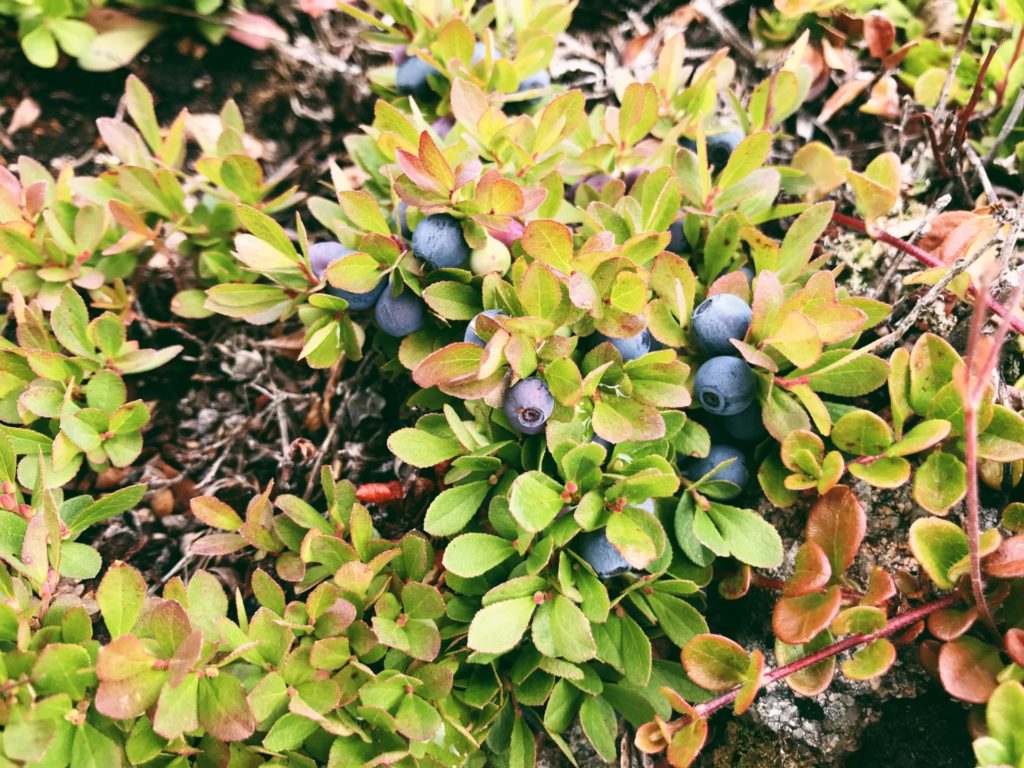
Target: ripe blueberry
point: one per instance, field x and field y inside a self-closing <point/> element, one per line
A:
<point x="400" y="315"/>
<point x="528" y="405"/>
<point x="322" y="255"/>
<point x="718" y="319"/>
<point x="735" y="473"/>
<point x="678" y="244"/>
<point x="534" y="82"/>
<point x="480" y="52"/>
<point x="411" y="78"/>
<point x="630" y="348"/>
<point x="721" y="146"/>
<point x="601" y="555"/>
<point x="401" y="217"/>
<point x="596" y="181"/>
<point x="443" y="126"/>
<point x="471" y="335"/>
<point x="725" y="385"/>
<point x="438" y="240"/>
<point x="747" y="425"/>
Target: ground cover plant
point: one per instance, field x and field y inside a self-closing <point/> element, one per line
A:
<point x="561" y="421"/>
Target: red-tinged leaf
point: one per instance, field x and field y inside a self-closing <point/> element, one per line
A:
<point x="811" y="572"/>
<point x="215" y="513"/>
<point x="451" y="363"/>
<point x="434" y="163"/>
<point x="650" y="737"/>
<point x="871" y="661"/>
<point x="687" y="743"/>
<point x="752" y="685"/>
<point x="1013" y="644"/>
<point x="879" y="34"/>
<point x="837" y="524"/>
<point x="224" y="709"/>
<point x="881" y="587"/>
<point x="549" y="242"/>
<point x="417" y="172"/>
<point x="797" y="338"/>
<point x="1008" y="561"/>
<point x="859" y="619"/>
<point x="844" y="95"/>
<point x="768" y="300"/>
<point x="797" y="620"/>
<point x="255" y="30"/>
<point x="715" y="662"/>
<point x="968" y="669"/>
<point x="128" y="682"/>
<point x="951" y="623"/>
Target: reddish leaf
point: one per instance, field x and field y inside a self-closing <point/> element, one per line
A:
<point x="797" y="620"/>
<point x="752" y="685"/>
<point x="881" y="587"/>
<point x="871" y="661"/>
<point x="879" y="33"/>
<point x="1013" y="644"/>
<point x="951" y="623"/>
<point x="1008" y="561"/>
<point x="968" y="669"/>
<point x="687" y="743"/>
<point x="811" y="573"/>
<point x="715" y="662"/>
<point x="837" y="524"/>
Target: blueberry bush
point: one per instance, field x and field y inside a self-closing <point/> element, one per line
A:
<point x="653" y="355"/>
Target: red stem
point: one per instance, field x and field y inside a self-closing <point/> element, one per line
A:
<point x="900" y="622"/>
<point x="965" y="114"/>
<point x="925" y="258"/>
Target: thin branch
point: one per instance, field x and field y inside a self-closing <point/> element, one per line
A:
<point x="1008" y="126"/>
<point x="954" y="65"/>
<point x="925" y="258"/>
<point x="897" y="624"/>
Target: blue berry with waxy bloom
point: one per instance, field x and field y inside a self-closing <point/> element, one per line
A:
<point x="746" y="426"/>
<point x="528" y="405"/>
<point x="480" y="52"/>
<point x="719" y="319"/>
<point x="677" y="244"/>
<point x="411" y="78"/>
<point x="725" y="385"/>
<point x="534" y="82"/>
<point x="630" y="348"/>
<point x="601" y="555"/>
<point x="401" y="217"/>
<point x="735" y="473"/>
<point x="721" y="146"/>
<point x="472" y="337"/>
<point x="438" y="240"/>
<point x="322" y="255"/>
<point x="400" y="315"/>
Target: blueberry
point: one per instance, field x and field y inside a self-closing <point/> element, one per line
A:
<point x="630" y="348"/>
<point x="747" y="425"/>
<point x="322" y="255"/>
<point x="678" y="244"/>
<point x="607" y="445"/>
<point x="596" y="181"/>
<point x="725" y="385"/>
<point x="749" y="273"/>
<point x="411" y="78"/>
<point x="721" y="146"/>
<point x="528" y="405"/>
<point x="480" y="52"/>
<point x="735" y="473"/>
<point x="471" y="335"/>
<point x="601" y="555"/>
<point x="717" y="320"/>
<point x="443" y="126"/>
<point x="400" y="315"/>
<point x="534" y="82"/>
<point x="401" y="216"/>
<point x="438" y="240"/>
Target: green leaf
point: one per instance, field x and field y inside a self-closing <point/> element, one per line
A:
<point x="870" y="661"/>
<point x="715" y="662"/>
<point x="798" y="244"/>
<point x="887" y="472"/>
<point x="473" y="554"/>
<point x="923" y="436"/>
<point x="416" y="719"/>
<point x="931" y="367"/>
<point x="1004" y="715"/>
<point x="862" y="433"/>
<point x="571" y="632"/>
<point x="535" y="500"/>
<point x="79" y="561"/>
<point x="450" y="510"/>
<point x="853" y="374"/>
<point x="938" y="545"/>
<point x="600" y="726"/>
<point x="423" y="449"/>
<point x="40" y="47"/>
<point x="940" y="482"/>
<point x="65" y="669"/>
<point x="215" y="513"/>
<point x="679" y="620"/>
<point x="120" y="596"/>
<point x="106" y="507"/>
<point x="177" y="709"/>
<point x="93" y="749"/>
<point x="1003" y="438"/>
<point x="499" y="627"/>
<point x="749" y="537"/>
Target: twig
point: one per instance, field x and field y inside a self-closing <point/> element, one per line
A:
<point x="936" y="208"/>
<point x="709" y="10"/>
<point x="925" y="258"/>
<point x="954" y="65"/>
<point x="897" y="624"/>
<point x="1008" y="126"/>
<point x="972" y="103"/>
